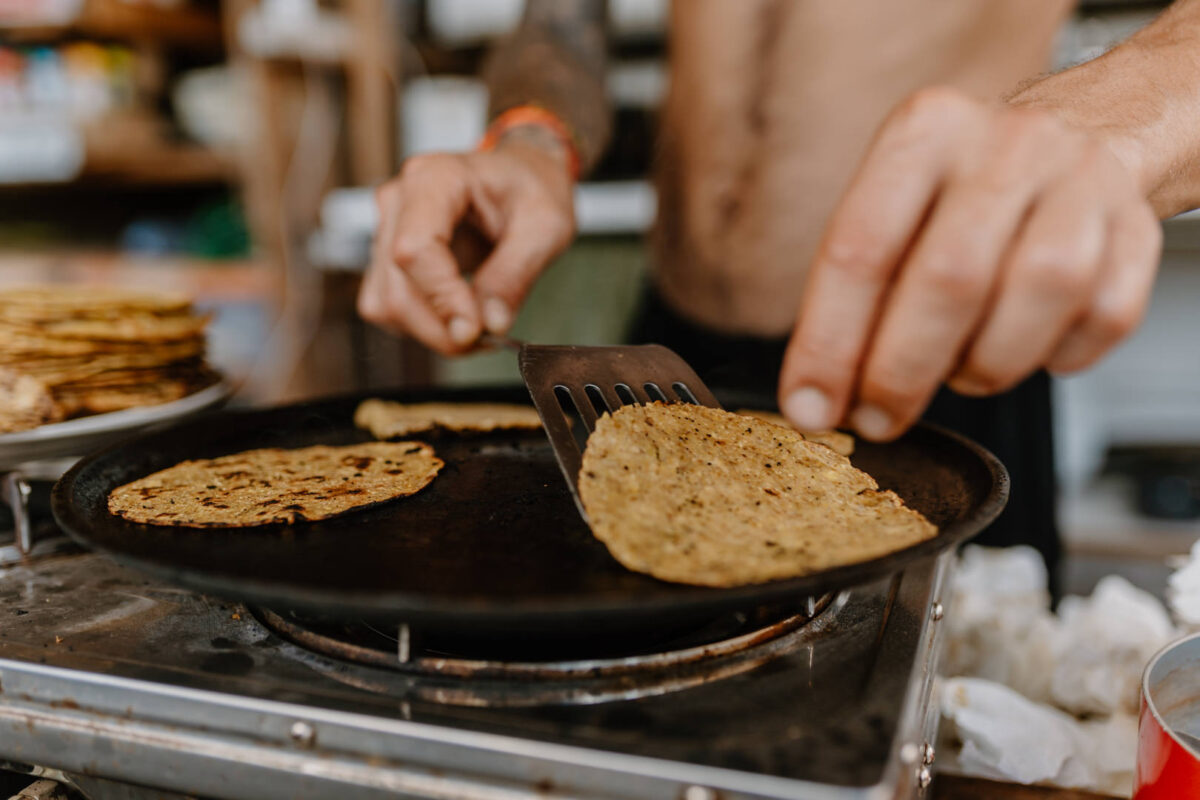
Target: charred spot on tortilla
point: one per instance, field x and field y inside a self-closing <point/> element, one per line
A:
<point x="269" y="486"/>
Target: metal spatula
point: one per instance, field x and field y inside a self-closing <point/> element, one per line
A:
<point x="572" y="386"/>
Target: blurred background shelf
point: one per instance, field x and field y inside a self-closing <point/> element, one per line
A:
<point x="186" y="25"/>
<point x="163" y="164"/>
<point x="209" y="280"/>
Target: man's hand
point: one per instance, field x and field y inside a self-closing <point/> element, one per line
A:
<point x="977" y="243"/>
<point x="518" y="196"/>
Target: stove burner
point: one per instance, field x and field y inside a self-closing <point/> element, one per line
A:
<point x="492" y="672"/>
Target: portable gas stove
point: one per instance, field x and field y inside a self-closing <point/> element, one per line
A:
<point x="473" y="642"/>
<point x="121" y="682"/>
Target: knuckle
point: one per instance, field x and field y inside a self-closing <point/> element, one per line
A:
<point x="933" y="103"/>
<point x="381" y="314"/>
<point x="407" y="247"/>
<point x="858" y="256"/>
<point x="1018" y="139"/>
<point x="997" y="177"/>
<point x="826" y="356"/>
<point x="894" y="384"/>
<point x="1112" y="323"/>
<point x="1093" y="162"/>
<point x="1058" y="269"/>
<point x="956" y="277"/>
<point x="1023" y="125"/>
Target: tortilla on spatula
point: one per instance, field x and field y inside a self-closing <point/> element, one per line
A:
<point x="261" y="487"/>
<point x="697" y="495"/>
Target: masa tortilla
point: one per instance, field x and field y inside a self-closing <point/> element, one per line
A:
<point x="262" y="487"/>
<point x="387" y="419"/>
<point x="697" y="495"/>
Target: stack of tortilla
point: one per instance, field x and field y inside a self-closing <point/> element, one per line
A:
<point x="95" y="349"/>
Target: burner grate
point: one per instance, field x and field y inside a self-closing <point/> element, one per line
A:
<point x="479" y="671"/>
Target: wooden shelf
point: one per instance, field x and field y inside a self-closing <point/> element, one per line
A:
<point x="190" y="26"/>
<point x="165" y="164"/>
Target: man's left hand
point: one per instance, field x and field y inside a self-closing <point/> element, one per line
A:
<point x="977" y="243"/>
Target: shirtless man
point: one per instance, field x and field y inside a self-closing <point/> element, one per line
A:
<point x="894" y="189"/>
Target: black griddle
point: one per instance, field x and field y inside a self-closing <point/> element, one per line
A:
<point x="494" y="543"/>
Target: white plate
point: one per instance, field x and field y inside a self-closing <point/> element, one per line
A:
<point x="78" y="437"/>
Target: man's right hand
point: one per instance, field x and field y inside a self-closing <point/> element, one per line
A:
<point x="518" y="196"/>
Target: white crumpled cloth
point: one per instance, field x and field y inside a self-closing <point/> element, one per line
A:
<point x="1039" y="697"/>
<point x="1087" y="659"/>
<point x="1183" y="592"/>
<point x="1008" y="737"/>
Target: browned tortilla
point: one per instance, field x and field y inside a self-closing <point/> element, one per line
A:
<point x="25" y="402"/>
<point x="386" y="419"/>
<point x="698" y="495"/>
<point x="98" y="349"/>
<point x="54" y="302"/>
<point x="261" y="487"/>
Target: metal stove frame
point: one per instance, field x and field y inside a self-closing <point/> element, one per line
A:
<point x="223" y="745"/>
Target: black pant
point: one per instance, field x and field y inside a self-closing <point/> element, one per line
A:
<point x="1016" y="425"/>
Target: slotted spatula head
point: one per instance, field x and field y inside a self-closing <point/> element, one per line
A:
<point x="572" y="386"/>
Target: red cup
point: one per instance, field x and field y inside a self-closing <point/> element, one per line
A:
<point x="1168" y="758"/>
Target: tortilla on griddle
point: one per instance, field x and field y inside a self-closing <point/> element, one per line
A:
<point x="837" y="441"/>
<point x="697" y="495"/>
<point x="386" y="419"/>
<point x="263" y="487"/>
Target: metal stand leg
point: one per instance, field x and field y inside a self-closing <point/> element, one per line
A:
<point x="15" y="490"/>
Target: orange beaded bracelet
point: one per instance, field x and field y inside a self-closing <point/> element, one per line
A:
<point x="533" y="115"/>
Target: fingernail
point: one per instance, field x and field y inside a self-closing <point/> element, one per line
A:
<point x="871" y="421"/>
<point x="462" y="331"/>
<point x="496" y="315"/>
<point x="809" y="409"/>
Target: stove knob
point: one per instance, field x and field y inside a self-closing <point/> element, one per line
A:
<point x="937" y="611"/>
<point x="928" y="754"/>
<point x="303" y="734"/>
<point x="924" y="778"/>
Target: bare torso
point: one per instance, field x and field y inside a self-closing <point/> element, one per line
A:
<point x="773" y="102"/>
